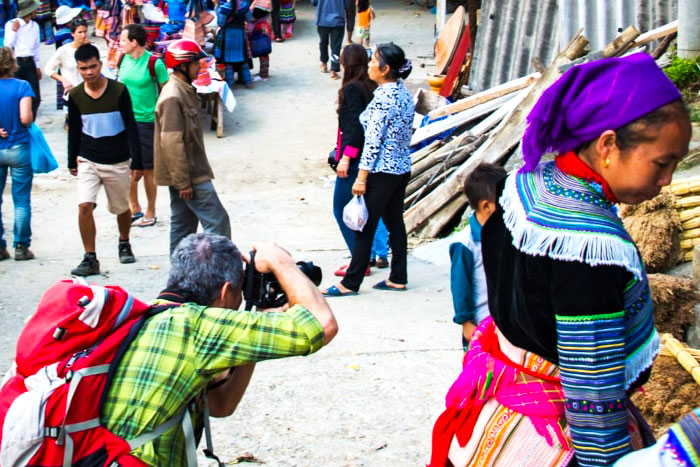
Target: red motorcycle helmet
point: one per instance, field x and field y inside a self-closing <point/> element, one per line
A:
<point x="183" y="51"/>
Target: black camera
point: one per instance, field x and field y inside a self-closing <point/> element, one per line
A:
<point x="264" y="290"/>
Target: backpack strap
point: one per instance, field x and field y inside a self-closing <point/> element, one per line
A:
<point x="161" y="429"/>
<point x="209" y="451"/>
<point x="152" y="59"/>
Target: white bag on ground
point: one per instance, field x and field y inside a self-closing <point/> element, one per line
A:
<point x="355" y="213"/>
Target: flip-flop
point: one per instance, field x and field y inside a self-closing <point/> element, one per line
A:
<point x="147" y="222"/>
<point x="382" y="285"/>
<point x="136" y="216"/>
<point x="334" y="291"/>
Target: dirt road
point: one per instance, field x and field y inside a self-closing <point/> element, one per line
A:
<point x="368" y="399"/>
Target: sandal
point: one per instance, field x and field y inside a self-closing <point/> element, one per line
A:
<point x="342" y="270"/>
<point x="382" y="285"/>
<point x="334" y="291"/>
<point x="147" y="222"/>
<point x="136" y="216"/>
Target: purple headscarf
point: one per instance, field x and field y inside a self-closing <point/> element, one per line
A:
<point x="591" y="98"/>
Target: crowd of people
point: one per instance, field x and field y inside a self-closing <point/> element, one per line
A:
<point x="549" y="289"/>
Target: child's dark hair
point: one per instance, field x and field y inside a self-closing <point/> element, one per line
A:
<point x="392" y="55"/>
<point x="482" y="182"/>
<point x="362" y="5"/>
<point x="85" y="52"/>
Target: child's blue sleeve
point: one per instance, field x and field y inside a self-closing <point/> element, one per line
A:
<point x="461" y="283"/>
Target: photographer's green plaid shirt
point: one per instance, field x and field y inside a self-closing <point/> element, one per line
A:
<point x="177" y="353"/>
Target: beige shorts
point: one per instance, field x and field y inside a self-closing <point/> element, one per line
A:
<point x="116" y="179"/>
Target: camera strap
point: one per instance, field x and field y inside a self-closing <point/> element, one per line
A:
<point x="249" y="282"/>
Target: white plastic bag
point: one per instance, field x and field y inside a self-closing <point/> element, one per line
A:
<point x="355" y="213"/>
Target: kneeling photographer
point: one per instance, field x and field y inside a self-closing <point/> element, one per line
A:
<point x="204" y="342"/>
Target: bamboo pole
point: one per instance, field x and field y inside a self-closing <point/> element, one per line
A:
<point x="684" y="357"/>
<point x="425" y="151"/>
<point x="657" y="33"/>
<point x="485" y="96"/>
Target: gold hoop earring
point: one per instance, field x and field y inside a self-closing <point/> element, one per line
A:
<point x="606" y="162"/>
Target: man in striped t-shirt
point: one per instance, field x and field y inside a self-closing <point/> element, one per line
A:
<point x="103" y="149"/>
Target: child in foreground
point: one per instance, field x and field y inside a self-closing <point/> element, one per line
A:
<point x="467" y="277"/>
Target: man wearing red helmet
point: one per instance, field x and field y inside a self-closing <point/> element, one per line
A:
<point x="180" y="159"/>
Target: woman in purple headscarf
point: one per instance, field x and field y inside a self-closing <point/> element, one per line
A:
<point x="547" y="381"/>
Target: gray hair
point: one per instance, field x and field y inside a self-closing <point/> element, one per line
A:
<point x="201" y="264"/>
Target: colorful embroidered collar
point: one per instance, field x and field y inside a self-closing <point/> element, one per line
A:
<point x="571" y="164"/>
<point x="552" y="213"/>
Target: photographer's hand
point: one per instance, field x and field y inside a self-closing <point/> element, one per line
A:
<point x="299" y="289"/>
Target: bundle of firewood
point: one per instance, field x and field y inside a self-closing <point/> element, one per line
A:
<point x="488" y="127"/>
<point x="687" y="203"/>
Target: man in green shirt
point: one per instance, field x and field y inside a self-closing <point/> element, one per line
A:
<point x="206" y="343"/>
<point x="143" y="74"/>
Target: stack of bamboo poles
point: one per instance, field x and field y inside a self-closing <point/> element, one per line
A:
<point x="488" y="128"/>
<point x="687" y="193"/>
<point x="686" y="357"/>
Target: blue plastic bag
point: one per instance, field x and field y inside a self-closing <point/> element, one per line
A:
<point x="40" y="152"/>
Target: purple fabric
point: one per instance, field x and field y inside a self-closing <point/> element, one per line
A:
<point x="591" y="98"/>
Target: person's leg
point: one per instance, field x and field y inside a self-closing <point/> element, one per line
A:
<point x="60" y="102"/>
<point x="207" y="206"/>
<point x="264" y="66"/>
<point x="27" y="71"/>
<point x="146" y="130"/>
<point x="149" y="183"/>
<point x="124" y="225"/>
<point x="336" y="35"/>
<point x="89" y="183"/>
<point x="323" y="35"/>
<point x="116" y="179"/>
<point x="393" y="218"/>
<point x="350" y="20"/>
<point x="342" y="195"/>
<point x="244" y="73"/>
<point x="86" y="224"/>
<point x="275" y="14"/>
<point x="380" y="247"/>
<point x="182" y="220"/>
<point x="3" y="180"/>
<point x="375" y="198"/>
<point x="22" y="176"/>
<point x="228" y="75"/>
<point x="134" y="205"/>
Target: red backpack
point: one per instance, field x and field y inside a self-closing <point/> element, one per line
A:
<point x="67" y="353"/>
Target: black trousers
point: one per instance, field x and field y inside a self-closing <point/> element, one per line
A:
<point x="335" y="34"/>
<point x="27" y="71"/>
<point x="275" y="13"/>
<point x="384" y="199"/>
<point x="350" y="17"/>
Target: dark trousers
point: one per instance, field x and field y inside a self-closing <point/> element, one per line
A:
<point x="384" y="199"/>
<point x="275" y="13"/>
<point x="204" y="208"/>
<point x="335" y="34"/>
<point x="27" y="71"/>
<point x="350" y="17"/>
